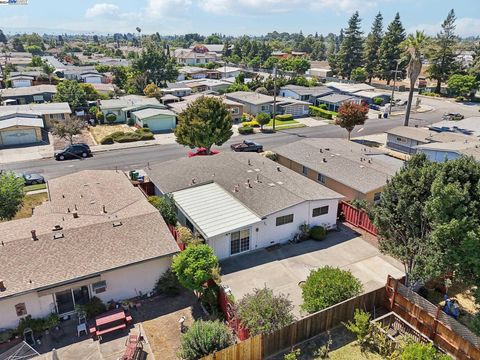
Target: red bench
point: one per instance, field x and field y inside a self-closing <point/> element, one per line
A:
<point x="110" y="321"/>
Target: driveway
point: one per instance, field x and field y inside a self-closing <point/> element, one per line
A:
<point x="282" y="268"/>
<point x="26" y="153"/>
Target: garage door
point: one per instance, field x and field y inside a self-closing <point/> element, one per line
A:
<point x="160" y="124"/>
<point x="18" y="137"/>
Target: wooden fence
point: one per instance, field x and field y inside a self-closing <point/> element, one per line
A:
<point x="445" y="332"/>
<point x="261" y="346"/>
<point x="356" y="217"/>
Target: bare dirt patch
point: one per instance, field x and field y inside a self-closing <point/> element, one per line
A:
<point x="85" y="137"/>
<point x="100" y="131"/>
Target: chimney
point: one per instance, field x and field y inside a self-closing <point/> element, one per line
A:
<point x="2" y="286"/>
<point x="34" y="235"/>
<point x="104" y="210"/>
<point x="75" y="207"/>
<point x="68" y="210"/>
<point x="75" y="215"/>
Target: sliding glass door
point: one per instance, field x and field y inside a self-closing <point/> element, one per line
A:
<point x="67" y="299"/>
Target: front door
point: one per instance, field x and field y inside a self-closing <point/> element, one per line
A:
<point x="65" y="302"/>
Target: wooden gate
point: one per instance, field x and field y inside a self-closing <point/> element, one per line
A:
<point x="356" y="217"/>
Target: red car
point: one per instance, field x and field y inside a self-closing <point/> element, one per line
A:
<point x="202" y="152"/>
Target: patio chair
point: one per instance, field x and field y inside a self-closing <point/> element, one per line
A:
<point x="82" y="324"/>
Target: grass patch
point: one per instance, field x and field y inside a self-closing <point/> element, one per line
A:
<point x="293" y="126"/>
<point x="34" y="187"/>
<point x="352" y="352"/>
<point x="29" y="202"/>
<point x="100" y="131"/>
<point x="280" y="122"/>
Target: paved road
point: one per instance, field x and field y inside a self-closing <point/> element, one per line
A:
<point x="137" y="158"/>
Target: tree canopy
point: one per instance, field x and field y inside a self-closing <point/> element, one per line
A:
<point x="351" y="49"/>
<point x="11" y="194"/>
<point x="372" y="47"/>
<point x="390" y="51"/>
<point x="462" y="85"/>
<point x="68" y="128"/>
<point x="71" y="92"/>
<point x="351" y="115"/>
<point x="155" y="66"/>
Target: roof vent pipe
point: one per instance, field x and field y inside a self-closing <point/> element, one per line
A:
<point x="104" y="210"/>
<point x="278" y="169"/>
<point x="2" y="286"/>
<point x="75" y="215"/>
<point x="34" y="235"/>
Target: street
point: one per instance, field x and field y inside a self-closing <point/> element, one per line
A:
<point x="137" y="158"/>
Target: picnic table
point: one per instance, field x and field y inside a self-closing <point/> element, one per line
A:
<point x="110" y="321"/>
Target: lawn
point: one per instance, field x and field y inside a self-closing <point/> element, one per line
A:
<point x="280" y="122"/>
<point x="352" y="352"/>
<point x="29" y="202"/>
<point x="100" y="131"/>
<point x="34" y="187"/>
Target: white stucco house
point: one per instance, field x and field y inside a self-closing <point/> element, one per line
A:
<point x="239" y="202"/>
<point x="96" y="236"/>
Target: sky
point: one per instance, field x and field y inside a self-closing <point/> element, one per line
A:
<point x="229" y="17"/>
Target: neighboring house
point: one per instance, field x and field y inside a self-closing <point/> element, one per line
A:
<point x="179" y="91"/>
<point x="238" y="202"/>
<point x="255" y="103"/>
<point x="126" y="106"/>
<point x="214" y="48"/>
<point x="368" y="97"/>
<point x="91" y="77"/>
<point x="320" y="72"/>
<point x="203" y="85"/>
<point x="228" y="72"/>
<point x="335" y="100"/>
<point x="48" y="111"/>
<point x="96" y="236"/>
<point x="349" y="89"/>
<point x="15" y="58"/>
<point x="407" y="139"/>
<point x="194" y="72"/>
<point x="304" y="93"/>
<point x="353" y="170"/>
<point x="197" y="55"/>
<point x="440" y="152"/>
<point x="467" y="126"/>
<point x="21" y="129"/>
<point x="105" y="89"/>
<point x="27" y="95"/>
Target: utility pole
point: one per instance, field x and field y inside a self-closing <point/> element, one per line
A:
<point x="393" y="89"/>
<point x="274" y="95"/>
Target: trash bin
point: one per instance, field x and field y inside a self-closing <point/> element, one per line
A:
<point x="385" y="115"/>
<point x="379" y="116"/>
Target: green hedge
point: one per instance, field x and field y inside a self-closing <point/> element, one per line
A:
<point x="318" y="111"/>
<point x="107" y="140"/>
<point x="123" y="137"/>
<point x="284" y="117"/>
<point x="318" y="233"/>
<point x="244" y="130"/>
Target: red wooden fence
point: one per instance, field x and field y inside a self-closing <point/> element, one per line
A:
<point x="356" y="217"/>
<point x="174" y="232"/>
<point x="228" y="309"/>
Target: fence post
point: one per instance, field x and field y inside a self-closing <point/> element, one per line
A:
<point x="435" y="323"/>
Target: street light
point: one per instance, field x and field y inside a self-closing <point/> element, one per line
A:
<point x="274" y="95"/>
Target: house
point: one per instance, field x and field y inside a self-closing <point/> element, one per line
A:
<point x="202" y="85"/>
<point x="214" y="48"/>
<point x="228" y="72"/>
<point x="96" y="236"/>
<point x="320" y="72"/>
<point x="105" y="89"/>
<point x="304" y="93"/>
<point x="335" y="100"/>
<point x="255" y="103"/>
<point x="195" y="72"/>
<point x="349" y="88"/>
<point x="197" y="55"/>
<point x="86" y="74"/>
<point x="130" y="109"/>
<point x="467" y="126"/>
<point x="26" y="78"/>
<point x="238" y="202"/>
<point x="440" y="152"/>
<point x="407" y="139"/>
<point x="21" y="129"/>
<point x="351" y="169"/>
<point x="27" y="95"/>
<point x="48" y="111"/>
<point x="368" y="97"/>
<point x="179" y="91"/>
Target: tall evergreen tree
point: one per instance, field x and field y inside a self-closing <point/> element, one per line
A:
<point x="3" y="38"/>
<point x="390" y="50"/>
<point x="372" y="47"/>
<point x="351" y="48"/>
<point x="442" y="55"/>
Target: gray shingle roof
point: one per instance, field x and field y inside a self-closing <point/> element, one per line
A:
<point x="336" y="98"/>
<point x="147" y="113"/>
<point x="28" y="90"/>
<point x="340" y="160"/>
<point x="314" y="91"/>
<point x="128" y="101"/>
<point x="276" y="190"/>
<point x="90" y="243"/>
<point x="36" y="109"/>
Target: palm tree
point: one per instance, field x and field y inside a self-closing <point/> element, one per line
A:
<point x="413" y="45"/>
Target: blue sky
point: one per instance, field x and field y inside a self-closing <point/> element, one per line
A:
<point x="231" y="17"/>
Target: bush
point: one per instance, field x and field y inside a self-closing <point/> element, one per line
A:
<point x="432" y="94"/>
<point x="361" y="327"/>
<point x="317" y="233"/>
<point x="270" y="155"/>
<point x="476" y="323"/>
<point x="292" y="355"/>
<point x="209" y="300"/>
<point x="264" y="312"/>
<point x="319" y="112"/>
<point x="130" y="122"/>
<point x="328" y="286"/>
<point x="184" y="234"/>
<point x="204" y="338"/>
<point x="459" y="99"/>
<point x="111" y="118"/>
<point x="107" y="140"/>
<point x="378" y="101"/>
<point x="263" y="119"/>
<point x="323" y="106"/>
<point x="166" y="206"/>
<point x="252" y="123"/>
<point x="94" y="307"/>
<point x="284" y="117"/>
<point x="167" y="284"/>
<point x="417" y="351"/>
<point x="245" y="130"/>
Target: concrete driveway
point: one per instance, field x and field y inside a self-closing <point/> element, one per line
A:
<point x="27" y="153"/>
<point x="282" y="269"/>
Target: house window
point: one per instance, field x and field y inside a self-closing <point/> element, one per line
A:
<point x="234" y="110"/>
<point x="400" y="139"/>
<point x="21" y="309"/>
<point x="239" y="241"/>
<point x="320" y="211"/>
<point x="304" y="170"/>
<point x="376" y="197"/>
<point x="62" y="116"/>
<point x="265" y="107"/>
<point x="286" y="219"/>
<point x="321" y="178"/>
<point x="99" y="287"/>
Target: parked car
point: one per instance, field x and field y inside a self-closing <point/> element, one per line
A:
<point x="32" y="179"/>
<point x="247" y="146"/>
<point x="453" y="116"/>
<point x="202" y="152"/>
<point x="74" y="151"/>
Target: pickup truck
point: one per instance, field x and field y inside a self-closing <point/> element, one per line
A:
<point x="247" y="146"/>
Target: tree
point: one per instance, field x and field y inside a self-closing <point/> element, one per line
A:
<point x="11" y="194"/>
<point x="462" y="85"/>
<point x="263" y="119"/>
<point x="166" y="206"/>
<point x="3" y="38"/>
<point x="195" y="266"/>
<point x="36" y="61"/>
<point x="413" y="350"/>
<point x="68" y="128"/>
<point x="442" y="56"/>
<point x="70" y="91"/>
<point x="111" y="118"/>
<point x="155" y="66"/>
<point x="204" y="338"/>
<point x="17" y="44"/>
<point x="204" y="122"/>
<point x="91" y="94"/>
<point x="328" y="286"/>
<point x="359" y="74"/>
<point x="152" y="90"/>
<point x="264" y="312"/>
<point x="350" y="54"/>
<point x="390" y="51"/>
<point x="350" y="115"/>
<point x="414" y="47"/>
<point x="48" y="69"/>
<point x="372" y="47"/>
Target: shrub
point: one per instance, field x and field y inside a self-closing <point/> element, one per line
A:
<point x="361" y="327"/>
<point x="263" y="119"/>
<point x="111" y="118"/>
<point x="429" y="93"/>
<point x="127" y="137"/>
<point x="317" y="233"/>
<point x="209" y="300"/>
<point x="417" y="351"/>
<point x="323" y="106"/>
<point x="459" y="99"/>
<point x="328" y="286"/>
<point x="107" y="140"/>
<point x="270" y="155"/>
<point x="167" y="284"/>
<point x="292" y="355"/>
<point x="378" y="101"/>
<point x="476" y="323"/>
<point x="144" y="134"/>
<point x="284" y="117"/>
<point x="320" y="112"/>
<point x="184" y="234"/>
<point x="252" y="123"/>
<point x="94" y="307"/>
<point x="264" y="312"/>
<point x="245" y="130"/>
<point x="130" y="122"/>
<point x="204" y="338"/>
<point x="166" y="206"/>
<point x="194" y="266"/>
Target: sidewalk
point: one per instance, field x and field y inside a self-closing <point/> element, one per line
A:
<point x="160" y="139"/>
<point x="26" y="153"/>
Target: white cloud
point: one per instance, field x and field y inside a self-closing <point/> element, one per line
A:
<point x="102" y="10"/>
<point x="464" y="27"/>
<point x="164" y="8"/>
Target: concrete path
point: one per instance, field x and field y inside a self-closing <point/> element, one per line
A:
<point x="311" y="122"/>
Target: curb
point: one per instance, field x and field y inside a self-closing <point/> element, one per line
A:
<point x="122" y="148"/>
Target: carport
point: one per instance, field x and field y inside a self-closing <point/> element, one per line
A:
<point x="20" y="130"/>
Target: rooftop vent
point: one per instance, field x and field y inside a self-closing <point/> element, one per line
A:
<point x="249" y="162"/>
<point x="236" y="188"/>
<point x="361" y="166"/>
<point x="104" y="210"/>
<point x="249" y="171"/>
<point x="279" y="169"/>
<point x="193" y="181"/>
<point x="249" y="185"/>
<point x="327" y="149"/>
<point x="271" y="184"/>
<point x="324" y="160"/>
<point x="117" y="224"/>
<point x="58" y="236"/>
<point x="34" y="235"/>
<point x="257" y="170"/>
<point x="321" y="150"/>
<point x="75" y="215"/>
<point x="279" y="183"/>
<point x="57" y="228"/>
<point x="2" y="286"/>
<point x="257" y="180"/>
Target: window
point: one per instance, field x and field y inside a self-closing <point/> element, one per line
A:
<point x="62" y="116"/>
<point x="265" y="107"/>
<point x="239" y="241"/>
<point x="400" y="139"/>
<point x="99" y="287"/>
<point x="320" y="211"/>
<point x="376" y="197"/>
<point x="286" y="219"/>
<point x="21" y="309"/>
<point x="304" y="170"/>
<point x="321" y="178"/>
<point x="234" y="110"/>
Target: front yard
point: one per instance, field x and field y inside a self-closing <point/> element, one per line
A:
<point x="29" y="202"/>
<point x="100" y="131"/>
